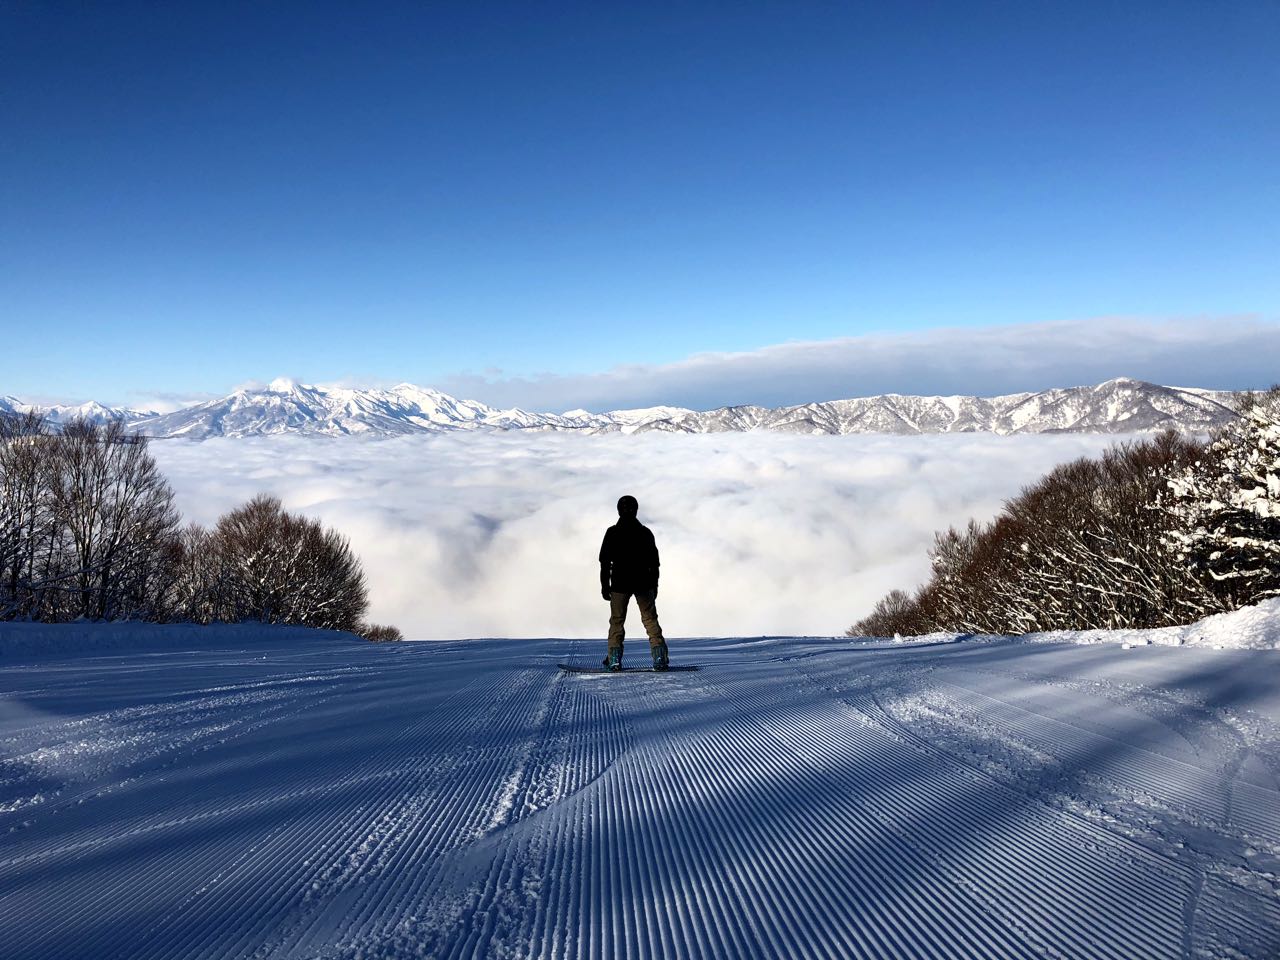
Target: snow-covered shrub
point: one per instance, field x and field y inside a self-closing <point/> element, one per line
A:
<point x="894" y="614"/>
<point x="380" y="632"/>
<point x="1225" y="508"/>
<point x="262" y="563"/>
<point x="1079" y="549"/>
<point x="1089" y="546"/>
<point x="88" y="529"/>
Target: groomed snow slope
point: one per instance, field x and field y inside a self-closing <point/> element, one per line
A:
<point x="233" y="794"/>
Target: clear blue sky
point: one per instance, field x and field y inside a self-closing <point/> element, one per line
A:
<point x="192" y="195"/>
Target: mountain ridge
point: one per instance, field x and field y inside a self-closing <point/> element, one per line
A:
<point x="1121" y="405"/>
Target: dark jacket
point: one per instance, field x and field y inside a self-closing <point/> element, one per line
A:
<point x="629" y="558"/>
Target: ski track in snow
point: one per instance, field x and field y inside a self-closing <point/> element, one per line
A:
<point x="794" y="798"/>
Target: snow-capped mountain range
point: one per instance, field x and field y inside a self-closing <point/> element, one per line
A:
<point x="284" y="406"/>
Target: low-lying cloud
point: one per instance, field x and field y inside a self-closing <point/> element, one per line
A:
<point x="1222" y="353"/>
<point x="497" y="535"/>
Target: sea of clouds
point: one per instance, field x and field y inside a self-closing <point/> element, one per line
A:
<point x="497" y="535"/>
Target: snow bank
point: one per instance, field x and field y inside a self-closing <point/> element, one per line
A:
<point x="1250" y="628"/>
<point x="41" y="641"/>
<point x="931" y="638"/>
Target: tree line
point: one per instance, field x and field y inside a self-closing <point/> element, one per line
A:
<point x="89" y="530"/>
<point x="1153" y="533"/>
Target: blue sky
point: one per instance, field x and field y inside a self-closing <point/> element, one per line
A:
<point x="501" y="196"/>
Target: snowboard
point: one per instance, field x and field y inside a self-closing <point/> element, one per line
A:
<point x="570" y="668"/>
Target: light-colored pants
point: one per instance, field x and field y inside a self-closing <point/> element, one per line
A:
<point x="647" y="603"/>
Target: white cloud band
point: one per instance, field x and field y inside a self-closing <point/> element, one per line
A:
<point x="1223" y="353"/>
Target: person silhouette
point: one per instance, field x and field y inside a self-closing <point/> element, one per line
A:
<point x="629" y="565"/>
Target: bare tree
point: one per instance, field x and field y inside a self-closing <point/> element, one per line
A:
<point x="117" y="518"/>
<point x="201" y="590"/>
<point x="28" y="529"/>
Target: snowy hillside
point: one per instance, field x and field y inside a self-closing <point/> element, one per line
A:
<point x="230" y="793"/>
<point x="1117" y="406"/>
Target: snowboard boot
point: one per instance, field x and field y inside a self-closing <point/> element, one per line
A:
<point x="614" y="660"/>
<point x="660" y="660"/>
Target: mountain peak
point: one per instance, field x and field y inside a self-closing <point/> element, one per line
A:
<point x="283" y="385"/>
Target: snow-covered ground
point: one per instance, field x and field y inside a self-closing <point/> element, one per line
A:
<point x="233" y="793"/>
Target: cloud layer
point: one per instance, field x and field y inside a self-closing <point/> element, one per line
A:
<point x="498" y="535"/>
<point x="1222" y="353"/>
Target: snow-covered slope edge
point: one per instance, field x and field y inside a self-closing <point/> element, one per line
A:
<point x="1250" y="628"/>
<point x="42" y="641"/>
